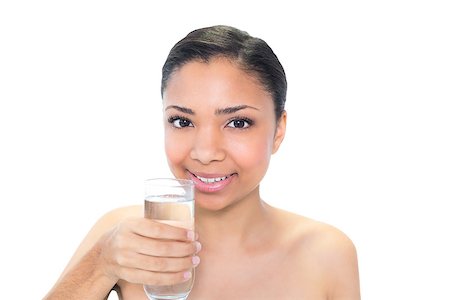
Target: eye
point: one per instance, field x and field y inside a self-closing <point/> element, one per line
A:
<point x="180" y="122"/>
<point x="240" y="123"/>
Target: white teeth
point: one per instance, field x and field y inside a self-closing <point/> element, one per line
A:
<point x="211" y="180"/>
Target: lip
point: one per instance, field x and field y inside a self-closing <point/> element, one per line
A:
<point x="213" y="186"/>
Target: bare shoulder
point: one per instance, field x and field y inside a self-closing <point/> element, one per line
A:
<point x="104" y="224"/>
<point x="320" y="235"/>
<point x="325" y="249"/>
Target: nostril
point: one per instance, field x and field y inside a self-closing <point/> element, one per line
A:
<point x="207" y="156"/>
<point x="207" y="148"/>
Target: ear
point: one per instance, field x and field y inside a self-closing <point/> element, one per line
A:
<point x="280" y="132"/>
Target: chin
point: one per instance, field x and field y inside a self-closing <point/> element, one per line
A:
<point x="212" y="203"/>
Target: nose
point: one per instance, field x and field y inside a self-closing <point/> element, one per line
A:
<point x="208" y="146"/>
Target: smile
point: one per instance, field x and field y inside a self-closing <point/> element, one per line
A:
<point x="213" y="183"/>
<point x="211" y="180"/>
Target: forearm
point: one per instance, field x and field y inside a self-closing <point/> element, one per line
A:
<point x="85" y="280"/>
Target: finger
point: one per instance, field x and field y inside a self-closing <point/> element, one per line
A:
<point x="166" y="264"/>
<point x="157" y="264"/>
<point x="154" y="278"/>
<point x="158" y="230"/>
<point x="163" y="248"/>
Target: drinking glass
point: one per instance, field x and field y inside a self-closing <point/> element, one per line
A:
<point x="170" y="201"/>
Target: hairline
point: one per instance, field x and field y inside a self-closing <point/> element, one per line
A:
<point x="232" y="59"/>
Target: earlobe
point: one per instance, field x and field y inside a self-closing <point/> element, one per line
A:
<point x="280" y="132"/>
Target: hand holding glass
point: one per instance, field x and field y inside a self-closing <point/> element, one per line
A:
<point x="170" y="201"/>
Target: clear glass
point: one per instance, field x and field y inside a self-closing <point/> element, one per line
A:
<point x="170" y="201"/>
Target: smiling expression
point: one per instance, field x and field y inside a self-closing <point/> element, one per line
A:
<point x="220" y="131"/>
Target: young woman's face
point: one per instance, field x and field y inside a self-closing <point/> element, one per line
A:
<point x="220" y="131"/>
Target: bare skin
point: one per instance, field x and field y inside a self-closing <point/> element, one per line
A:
<point x="247" y="249"/>
<point x="288" y="257"/>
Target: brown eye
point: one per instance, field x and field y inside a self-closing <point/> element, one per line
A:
<point x="240" y="123"/>
<point x="183" y="123"/>
<point x="179" y="122"/>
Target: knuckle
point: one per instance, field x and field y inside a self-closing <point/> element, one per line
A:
<point x="121" y="259"/>
<point x="160" y="264"/>
<point x="165" y="248"/>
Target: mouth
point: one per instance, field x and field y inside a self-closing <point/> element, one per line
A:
<point x="211" y="182"/>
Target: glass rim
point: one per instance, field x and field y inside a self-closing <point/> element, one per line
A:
<point x="166" y="181"/>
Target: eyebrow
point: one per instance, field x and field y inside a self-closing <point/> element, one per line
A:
<point x="219" y="111"/>
<point x="182" y="109"/>
<point x="232" y="109"/>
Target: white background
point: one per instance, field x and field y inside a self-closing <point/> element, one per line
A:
<point x="367" y="147"/>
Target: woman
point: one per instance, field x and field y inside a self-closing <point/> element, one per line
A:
<point x="223" y="96"/>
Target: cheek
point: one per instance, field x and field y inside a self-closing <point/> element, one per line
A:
<point x="253" y="153"/>
<point x="176" y="151"/>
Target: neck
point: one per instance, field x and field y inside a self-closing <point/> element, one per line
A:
<point x="239" y="224"/>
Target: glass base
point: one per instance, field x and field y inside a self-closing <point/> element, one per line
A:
<point x="175" y="297"/>
<point x="159" y="295"/>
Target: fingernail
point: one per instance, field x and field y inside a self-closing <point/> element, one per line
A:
<point x="198" y="247"/>
<point x="187" y="275"/>
<point x="195" y="260"/>
<point x="191" y="235"/>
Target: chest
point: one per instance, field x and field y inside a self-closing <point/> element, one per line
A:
<point x="269" y="276"/>
<point x="253" y="277"/>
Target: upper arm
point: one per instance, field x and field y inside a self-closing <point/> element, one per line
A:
<point x="340" y="264"/>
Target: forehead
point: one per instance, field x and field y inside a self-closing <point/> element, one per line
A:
<point x="219" y="82"/>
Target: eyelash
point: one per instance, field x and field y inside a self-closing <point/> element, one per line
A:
<point x="173" y="119"/>
<point x="244" y="119"/>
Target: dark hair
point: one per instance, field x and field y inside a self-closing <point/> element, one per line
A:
<point x="252" y="54"/>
